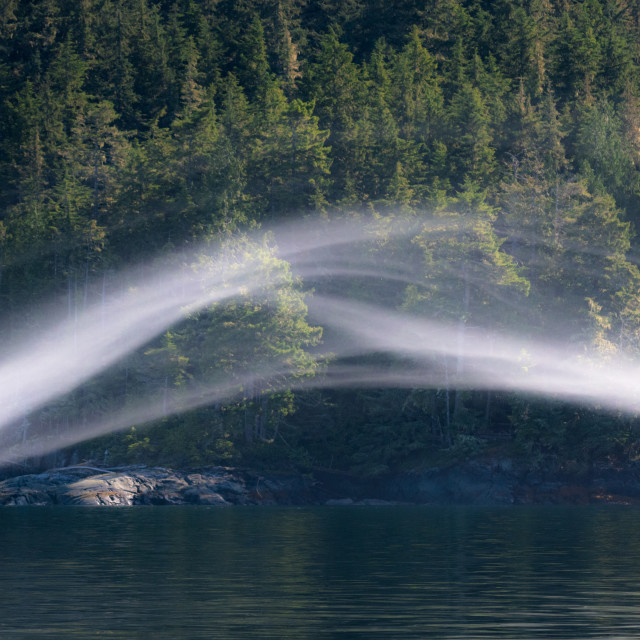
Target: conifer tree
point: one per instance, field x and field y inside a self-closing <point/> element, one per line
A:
<point x="209" y="50"/>
<point x="260" y="339"/>
<point x="471" y="151"/>
<point x="605" y="157"/>
<point x="417" y="97"/>
<point x="155" y="82"/>
<point x="578" y="50"/>
<point x="286" y="19"/>
<point x="289" y="163"/>
<point x="253" y="67"/>
<point x="114" y="75"/>
<point x="336" y="86"/>
<point x="465" y="273"/>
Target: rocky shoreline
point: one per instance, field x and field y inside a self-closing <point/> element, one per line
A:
<point x="131" y="486"/>
<point x="495" y="482"/>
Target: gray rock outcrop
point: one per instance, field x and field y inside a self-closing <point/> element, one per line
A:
<point x="488" y="482"/>
<point x="151" y="486"/>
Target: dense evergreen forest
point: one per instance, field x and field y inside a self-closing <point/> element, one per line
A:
<point x="133" y="130"/>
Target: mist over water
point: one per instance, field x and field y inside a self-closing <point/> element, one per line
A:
<point x="356" y="274"/>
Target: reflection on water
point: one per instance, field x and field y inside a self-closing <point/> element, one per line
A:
<point x="361" y="572"/>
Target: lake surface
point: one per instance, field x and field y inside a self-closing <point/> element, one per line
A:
<point x="323" y="572"/>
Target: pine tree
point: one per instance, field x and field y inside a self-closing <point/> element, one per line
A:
<point x="155" y="82"/>
<point x="376" y="137"/>
<point x="210" y="52"/>
<point x="445" y="23"/>
<point x="578" y="52"/>
<point x="228" y="176"/>
<point x="336" y="86"/>
<point x="253" y="67"/>
<point x="286" y="27"/>
<point x="601" y="151"/>
<point x="113" y="78"/>
<point x="465" y="272"/>
<point x="470" y="140"/>
<point x="619" y="65"/>
<point x="100" y="147"/>
<point x="522" y="42"/>
<point x="417" y="97"/>
<point x="260" y="339"/>
<point x="290" y="156"/>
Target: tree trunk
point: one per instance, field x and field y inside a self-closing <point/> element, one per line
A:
<point x="447" y="400"/>
<point x="248" y="427"/>
<point x="487" y="410"/>
<point x="461" y="341"/>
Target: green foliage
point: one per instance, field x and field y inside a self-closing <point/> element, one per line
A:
<point x="131" y="128"/>
<point x="554" y="435"/>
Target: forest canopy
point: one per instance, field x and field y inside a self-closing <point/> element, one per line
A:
<point x="504" y="136"/>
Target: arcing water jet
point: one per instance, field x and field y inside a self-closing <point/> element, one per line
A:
<point x="440" y="350"/>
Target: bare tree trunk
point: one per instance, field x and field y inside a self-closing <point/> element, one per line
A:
<point x="165" y="391"/>
<point x="102" y="299"/>
<point x="86" y="285"/>
<point x="69" y="296"/>
<point x="248" y="427"/>
<point x="487" y="410"/>
<point x="461" y="340"/>
<point x="261" y="419"/>
<point x="75" y="313"/>
<point x="447" y="400"/>
<point x="95" y="179"/>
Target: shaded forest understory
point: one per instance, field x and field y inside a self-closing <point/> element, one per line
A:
<point x="505" y="135"/>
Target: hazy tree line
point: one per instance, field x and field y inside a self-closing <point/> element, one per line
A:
<point x="130" y="129"/>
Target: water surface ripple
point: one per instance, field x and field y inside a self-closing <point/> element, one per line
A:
<point x="368" y="572"/>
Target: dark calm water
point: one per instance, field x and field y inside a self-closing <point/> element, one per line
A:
<point x="355" y="572"/>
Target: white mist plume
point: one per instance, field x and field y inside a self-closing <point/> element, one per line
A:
<point x="437" y="353"/>
<point x="69" y="352"/>
<point x="500" y="362"/>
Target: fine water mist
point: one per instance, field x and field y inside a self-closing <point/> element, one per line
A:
<point x="68" y="352"/>
<point x="357" y="277"/>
